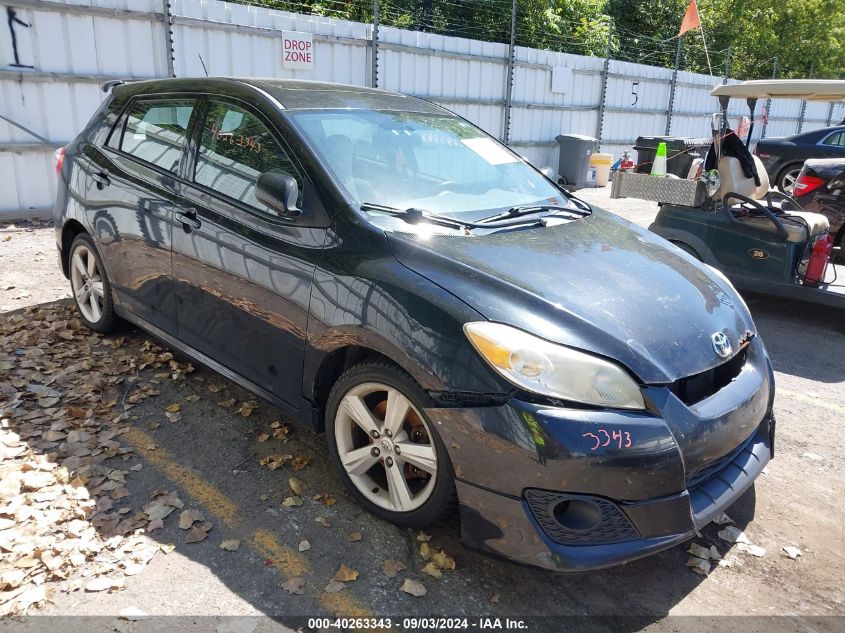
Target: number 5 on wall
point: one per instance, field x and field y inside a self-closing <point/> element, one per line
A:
<point x="634" y="92"/>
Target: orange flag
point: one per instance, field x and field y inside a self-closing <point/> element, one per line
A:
<point x="691" y="19"/>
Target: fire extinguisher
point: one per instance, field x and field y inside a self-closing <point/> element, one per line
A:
<point x="819" y="257"/>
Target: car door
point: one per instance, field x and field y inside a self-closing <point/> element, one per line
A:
<point x="243" y="273"/>
<point x="132" y="195"/>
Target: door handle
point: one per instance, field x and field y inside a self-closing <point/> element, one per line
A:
<point x="189" y="220"/>
<point x="102" y="179"/>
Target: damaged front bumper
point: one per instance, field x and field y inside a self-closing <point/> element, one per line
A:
<point x="572" y="489"/>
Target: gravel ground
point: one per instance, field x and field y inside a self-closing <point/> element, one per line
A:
<point x="211" y="457"/>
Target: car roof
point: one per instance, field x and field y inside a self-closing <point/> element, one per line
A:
<point x="290" y="94"/>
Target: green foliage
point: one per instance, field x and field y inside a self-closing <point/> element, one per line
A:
<point x="799" y="33"/>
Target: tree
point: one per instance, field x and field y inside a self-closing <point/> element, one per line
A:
<point x="798" y="32"/>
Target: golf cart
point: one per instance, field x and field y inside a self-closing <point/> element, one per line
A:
<point x="760" y="239"/>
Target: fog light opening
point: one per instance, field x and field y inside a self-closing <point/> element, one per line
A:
<point x="577" y="514"/>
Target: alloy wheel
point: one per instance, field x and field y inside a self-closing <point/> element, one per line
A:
<point x="789" y="179"/>
<point x="87" y="283"/>
<point x="386" y="447"/>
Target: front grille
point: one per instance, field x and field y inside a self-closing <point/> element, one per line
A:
<point x="700" y="386"/>
<point x="611" y="525"/>
<point x="712" y="468"/>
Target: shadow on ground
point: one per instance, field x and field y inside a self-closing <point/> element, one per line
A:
<point x="210" y="455"/>
<point x="809" y="337"/>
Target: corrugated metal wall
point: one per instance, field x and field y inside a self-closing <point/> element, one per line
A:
<point x="49" y="85"/>
<point x="63" y="54"/>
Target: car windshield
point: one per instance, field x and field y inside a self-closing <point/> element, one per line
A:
<point x="438" y="163"/>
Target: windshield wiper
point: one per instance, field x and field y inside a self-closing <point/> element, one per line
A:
<point x="417" y="216"/>
<point x="528" y="209"/>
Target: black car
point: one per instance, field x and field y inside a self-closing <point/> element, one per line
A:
<point x="783" y="157"/>
<point x="820" y="188"/>
<point x="459" y="326"/>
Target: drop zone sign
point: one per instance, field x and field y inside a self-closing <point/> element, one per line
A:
<point x="297" y="50"/>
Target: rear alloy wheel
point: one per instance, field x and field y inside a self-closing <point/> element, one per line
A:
<point x="788" y="177"/>
<point x="91" y="289"/>
<point x="387" y="452"/>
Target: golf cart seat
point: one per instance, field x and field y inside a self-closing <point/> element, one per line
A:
<point x="799" y="225"/>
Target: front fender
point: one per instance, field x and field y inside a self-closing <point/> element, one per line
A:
<point x="380" y="304"/>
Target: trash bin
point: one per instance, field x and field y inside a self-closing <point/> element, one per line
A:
<point x="601" y="163"/>
<point x="680" y="153"/>
<point x="574" y="151"/>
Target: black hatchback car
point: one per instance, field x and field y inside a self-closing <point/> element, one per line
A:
<point x="458" y="325"/>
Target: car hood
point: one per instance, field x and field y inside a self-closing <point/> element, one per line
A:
<point x="599" y="284"/>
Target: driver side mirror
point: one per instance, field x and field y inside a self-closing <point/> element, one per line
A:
<point x="279" y="192"/>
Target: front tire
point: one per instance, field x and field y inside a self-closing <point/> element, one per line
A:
<point x="90" y="285"/>
<point x="385" y="449"/>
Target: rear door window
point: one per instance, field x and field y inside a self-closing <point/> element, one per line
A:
<point x="235" y="149"/>
<point x="837" y="138"/>
<point x="156" y="131"/>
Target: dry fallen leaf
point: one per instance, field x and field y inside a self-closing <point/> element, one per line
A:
<point x="698" y="565"/>
<point x="189" y="517"/>
<point x="167" y="547"/>
<point x="290" y="502"/>
<point x="413" y="587"/>
<point x="263" y="437"/>
<point x="426" y="551"/>
<point x="324" y="521"/>
<point x="443" y="560"/>
<point x="173" y="407"/>
<point x="422" y="537"/>
<point x="354" y="536"/>
<point x="247" y="408"/>
<point x="304" y="545"/>
<point x="300" y="461"/>
<point x="230" y="545"/>
<point x="432" y="570"/>
<point x="334" y="586"/>
<point x="104" y="583"/>
<point x="295" y="586"/>
<point x="297" y="486"/>
<point x="392" y="567"/>
<point x="195" y="535"/>
<point x="345" y="574"/>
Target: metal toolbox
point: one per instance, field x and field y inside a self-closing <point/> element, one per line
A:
<point x="688" y="193"/>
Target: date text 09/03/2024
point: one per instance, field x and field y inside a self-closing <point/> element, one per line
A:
<point x="418" y="624"/>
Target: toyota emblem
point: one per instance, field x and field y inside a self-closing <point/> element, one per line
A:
<point x="721" y="344"/>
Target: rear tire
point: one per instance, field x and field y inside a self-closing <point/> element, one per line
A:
<point x="787" y="177"/>
<point x="90" y="285"/>
<point x="387" y="452"/>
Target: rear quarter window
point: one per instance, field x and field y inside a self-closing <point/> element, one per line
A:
<point x="155" y="131"/>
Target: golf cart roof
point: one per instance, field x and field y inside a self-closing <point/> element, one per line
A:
<point x="809" y="89"/>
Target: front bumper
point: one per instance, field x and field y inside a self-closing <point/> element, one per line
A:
<point x="580" y="489"/>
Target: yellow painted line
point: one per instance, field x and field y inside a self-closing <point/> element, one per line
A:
<point x="343" y="604"/>
<point x="289" y="562"/>
<point x="200" y="490"/>
<point x="813" y="400"/>
<point x="292" y="563"/>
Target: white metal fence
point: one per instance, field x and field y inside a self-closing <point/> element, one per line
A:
<point x="55" y="53"/>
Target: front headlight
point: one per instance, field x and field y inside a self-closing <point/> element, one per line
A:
<point x="553" y="370"/>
